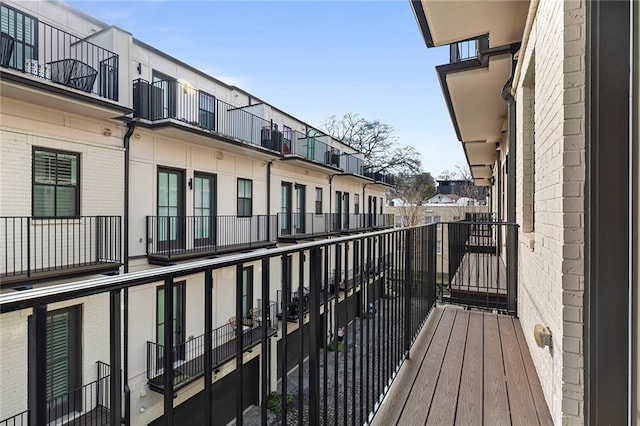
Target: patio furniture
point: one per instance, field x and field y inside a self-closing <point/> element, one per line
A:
<point x="6" y="49"/>
<point x="73" y="73"/>
<point x="234" y="324"/>
<point x="255" y="316"/>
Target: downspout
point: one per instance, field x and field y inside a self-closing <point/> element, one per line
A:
<point x="512" y="249"/>
<point x="331" y="196"/>
<point x="269" y="163"/>
<point x="125" y="328"/>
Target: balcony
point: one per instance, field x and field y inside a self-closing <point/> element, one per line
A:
<point x="87" y="405"/>
<point x="40" y="50"/>
<point x="380" y="177"/>
<point x="174" y="238"/>
<point x="165" y="100"/>
<point x="392" y="341"/>
<point x="38" y="249"/>
<point x="189" y="363"/>
<point x="354" y="222"/>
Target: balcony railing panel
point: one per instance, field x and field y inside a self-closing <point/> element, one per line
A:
<point x="472" y="264"/>
<point x="175" y="236"/>
<point x="87" y="405"/>
<point x="45" y="245"/>
<point x="188" y="356"/>
<point x="44" y="51"/>
<point x="347" y="346"/>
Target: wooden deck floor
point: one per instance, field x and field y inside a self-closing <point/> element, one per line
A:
<point x="466" y="368"/>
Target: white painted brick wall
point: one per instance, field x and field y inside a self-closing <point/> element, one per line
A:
<point x="551" y="276"/>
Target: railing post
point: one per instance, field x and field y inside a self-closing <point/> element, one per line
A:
<point x="239" y="346"/>
<point x="168" y="352"/>
<point x="208" y="344"/>
<point x="408" y="262"/>
<point x="512" y="269"/>
<point x="28" y="247"/>
<point x="315" y="266"/>
<point x="264" y="349"/>
<point x="115" y="359"/>
<point x="38" y="368"/>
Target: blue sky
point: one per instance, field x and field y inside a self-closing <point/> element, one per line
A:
<point x="311" y="59"/>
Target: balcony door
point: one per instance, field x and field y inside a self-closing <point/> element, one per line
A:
<point x="163" y="96"/>
<point x="204" y="220"/>
<point x="179" y="321"/>
<point x="337" y="223"/>
<point x="285" y="209"/>
<point x="170" y="229"/>
<point x="345" y="210"/>
<point x="300" y="210"/>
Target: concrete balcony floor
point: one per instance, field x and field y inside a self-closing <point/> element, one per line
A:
<point x="466" y="367"/>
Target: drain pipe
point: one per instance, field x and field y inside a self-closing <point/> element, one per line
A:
<point x="512" y="259"/>
<point x="269" y="163"/>
<point x="125" y="329"/>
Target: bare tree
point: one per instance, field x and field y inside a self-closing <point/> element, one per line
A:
<point x="413" y="190"/>
<point x="448" y="175"/>
<point x="376" y="140"/>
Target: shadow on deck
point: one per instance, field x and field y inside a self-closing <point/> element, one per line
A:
<point x="466" y="367"/>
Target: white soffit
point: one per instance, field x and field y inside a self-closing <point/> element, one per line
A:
<point x="480" y="153"/>
<point x="476" y="98"/>
<point x="451" y="21"/>
<point x="481" y="182"/>
<point x="481" y="172"/>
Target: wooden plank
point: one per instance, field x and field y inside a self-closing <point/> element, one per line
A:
<point x="417" y="407"/>
<point x="391" y="408"/>
<point x="469" y="410"/>
<point x="522" y="408"/>
<point x="482" y="273"/>
<point x="544" y="416"/>
<point x="496" y="405"/>
<point x="443" y="406"/>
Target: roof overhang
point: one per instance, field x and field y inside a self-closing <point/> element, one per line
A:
<point x="310" y="164"/>
<point x="445" y="22"/>
<point x="26" y="88"/>
<point x="473" y="92"/>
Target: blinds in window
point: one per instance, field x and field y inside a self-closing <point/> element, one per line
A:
<point x="58" y="354"/>
<point x="55" y="184"/>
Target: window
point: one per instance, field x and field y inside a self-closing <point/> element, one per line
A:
<point x="356" y="203"/>
<point x="285" y="207"/>
<point x="206" y="109"/>
<point x="528" y="150"/>
<point x="318" y="200"/>
<point x="23" y="29"/>
<point x="287" y="136"/>
<point x="245" y="197"/>
<point x="428" y="220"/>
<point x="203" y="208"/>
<point x="64" y="360"/>
<point x="56" y="189"/>
<point x="438" y="247"/>
<point x="247" y="289"/>
<point x="436" y="219"/>
<point x="300" y="208"/>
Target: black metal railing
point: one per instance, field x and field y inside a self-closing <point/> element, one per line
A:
<point x="463" y="50"/>
<point x="42" y="50"/>
<point x="36" y="247"/>
<point x="189" y="364"/>
<point x="303" y="224"/>
<point x="87" y="405"/>
<point x="311" y="148"/>
<point x="380" y="177"/>
<point x="351" y="222"/>
<point x="20" y="419"/>
<point x="473" y="267"/>
<point x="183" y="236"/>
<point x="346" y="349"/>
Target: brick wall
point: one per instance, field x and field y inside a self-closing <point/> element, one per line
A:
<point x="551" y="270"/>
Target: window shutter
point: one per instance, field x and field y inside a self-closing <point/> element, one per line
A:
<point x="58" y="354"/>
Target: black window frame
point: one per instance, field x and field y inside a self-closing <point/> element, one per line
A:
<point x="242" y="202"/>
<point x="74" y="341"/>
<point x="356" y="203"/>
<point x="20" y="46"/>
<point x="318" y="200"/>
<point x="56" y="185"/>
<point x="249" y="286"/>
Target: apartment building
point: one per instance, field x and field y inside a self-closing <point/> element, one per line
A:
<point x="543" y="96"/>
<point x="117" y="157"/>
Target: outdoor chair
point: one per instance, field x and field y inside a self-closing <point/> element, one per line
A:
<point x="255" y="315"/>
<point x="73" y="73"/>
<point x="234" y="325"/>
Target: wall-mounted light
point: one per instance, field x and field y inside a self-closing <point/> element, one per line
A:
<point x="542" y="336"/>
<point x="139" y="68"/>
<point x="190" y="183"/>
